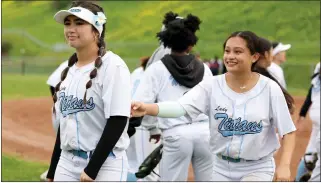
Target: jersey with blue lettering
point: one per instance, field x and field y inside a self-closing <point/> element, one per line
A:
<point x="158" y="84"/>
<point x="81" y="125"/>
<point x="242" y="125"/>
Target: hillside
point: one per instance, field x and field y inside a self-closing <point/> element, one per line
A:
<point x="132" y="26"/>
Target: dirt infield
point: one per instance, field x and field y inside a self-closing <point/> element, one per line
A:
<point x="27" y="131"/>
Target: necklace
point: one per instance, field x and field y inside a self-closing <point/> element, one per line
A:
<point x="244" y="86"/>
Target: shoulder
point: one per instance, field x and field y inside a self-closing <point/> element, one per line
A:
<point x="157" y="66"/>
<point x="271" y="85"/>
<point x="113" y="62"/>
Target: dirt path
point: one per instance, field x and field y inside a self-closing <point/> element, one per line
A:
<point x="27" y="131"/>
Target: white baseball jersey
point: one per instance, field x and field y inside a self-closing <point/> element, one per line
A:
<point x="55" y="77"/>
<point x="81" y="126"/>
<point x="158" y="84"/>
<point x="242" y="125"/>
<point x="53" y="80"/>
<point x="277" y="72"/>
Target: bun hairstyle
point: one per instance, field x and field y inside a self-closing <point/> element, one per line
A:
<point x="179" y="33"/>
<point x="169" y="16"/>
<point x="73" y="58"/>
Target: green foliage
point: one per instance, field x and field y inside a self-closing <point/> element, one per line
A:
<point x="15" y="169"/>
<point x="132" y="26"/>
<point x="16" y="86"/>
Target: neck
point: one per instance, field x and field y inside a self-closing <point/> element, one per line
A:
<point x="240" y="79"/>
<point x="86" y="55"/>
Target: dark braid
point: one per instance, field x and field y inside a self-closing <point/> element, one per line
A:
<point x="73" y="59"/>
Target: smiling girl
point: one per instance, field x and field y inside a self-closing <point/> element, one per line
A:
<point x="244" y="108"/>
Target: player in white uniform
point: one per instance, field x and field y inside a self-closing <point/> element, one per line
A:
<point x="313" y="102"/>
<point x="244" y="109"/>
<point x="140" y="146"/>
<point x="92" y="103"/>
<point x="279" y="57"/>
<point x="169" y="79"/>
<point x="162" y="50"/>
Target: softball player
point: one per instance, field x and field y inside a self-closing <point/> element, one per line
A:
<point x="162" y="50"/>
<point x="313" y="102"/>
<point x="169" y="79"/>
<point x="140" y="146"/>
<point x="92" y="103"/>
<point x="244" y="108"/>
<point x="279" y="57"/>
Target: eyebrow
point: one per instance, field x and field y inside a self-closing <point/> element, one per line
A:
<point x="76" y="19"/>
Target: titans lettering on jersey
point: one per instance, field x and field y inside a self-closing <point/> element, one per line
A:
<point x="71" y="104"/>
<point x="230" y="127"/>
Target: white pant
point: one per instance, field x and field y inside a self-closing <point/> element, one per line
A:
<point x="139" y="148"/>
<point x="184" y="144"/>
<point x="314" y="133"/>
<point x="260" y="170"/>
<point x="316" y="177"/>
<point x="70" y="168"/>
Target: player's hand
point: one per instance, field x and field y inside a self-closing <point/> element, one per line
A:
<point x="283" y="173"/>
<point x="49" y="180"/>
<point x="299" y="123"/>
<point x="85" y="178"/>
<point x="155" y="137"/>
<point x="138" y="109"/>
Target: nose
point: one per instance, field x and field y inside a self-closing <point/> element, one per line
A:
<point x="70" y="29"/>
<point x="229" y="56"/>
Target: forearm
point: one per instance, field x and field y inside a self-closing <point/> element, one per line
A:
<point x="55" y="157"/>
<point x="111" y="134"/>
<point x="167" y="110"/>
<point x="152" y="109"/>
<point x="306" y="105"/>
<point x="288" y="144"/>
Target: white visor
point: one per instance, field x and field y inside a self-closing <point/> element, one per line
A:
<point x="96" y="20"/>
<point x="280" y="47"/>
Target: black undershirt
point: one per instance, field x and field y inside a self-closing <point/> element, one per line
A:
<point x="111" y="134"/>
<point x="306" y="105"/>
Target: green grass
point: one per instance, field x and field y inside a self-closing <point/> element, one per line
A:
<point x="17" y="86"/>
<point x="131" y="29"/>
<point x="15" y="169"/>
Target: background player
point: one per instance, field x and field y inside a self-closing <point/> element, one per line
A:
<point x="92" y="103"/>
<point x="162" y="50"/>
<point x="140" y="146"/>
<point x="243" y="137"/>
<point x="279" y="57"/>
<point x="168" y="79"/>
<point x="312" y="101"/>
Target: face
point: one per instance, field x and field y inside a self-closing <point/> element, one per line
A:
<point x="281" y="57"/>
<point x="79" y="33"/>
<point x="237" y="57"/>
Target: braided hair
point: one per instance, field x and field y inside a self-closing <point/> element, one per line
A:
<point x="73" y="58"/>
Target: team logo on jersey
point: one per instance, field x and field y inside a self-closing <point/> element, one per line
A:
<point x="230" y="127"/>
<point x="173" y="81"/>
<point x="71" y="104"/>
